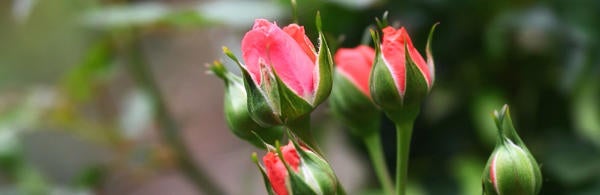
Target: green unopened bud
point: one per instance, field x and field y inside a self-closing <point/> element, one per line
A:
<point x="400" y="78"/>
<point x="511" y="169"/>
<point x="236" y="110"/>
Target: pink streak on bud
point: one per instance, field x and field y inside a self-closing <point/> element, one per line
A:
<point x="493" y="176"/>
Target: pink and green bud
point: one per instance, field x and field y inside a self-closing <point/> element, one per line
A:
<point x="511" y="169"/>
<point x="350" y="99"/>
<point x="401" y="78"/>
<point x="284" y="75"/>
<point x="294" y="169"/>
<point x="236" y="110"/>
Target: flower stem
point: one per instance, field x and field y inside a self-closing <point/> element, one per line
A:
<point x="373" y="143"/>
<point x="404" y="133"/>
<point x="169" y="129"/>
<point x="301" y="128"/>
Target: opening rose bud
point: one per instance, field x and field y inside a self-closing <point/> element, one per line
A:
<point x="350" y="98"/>
<point x="511" y="169"/>
<point x="297" y="170"/>
<point x="401" y="77"/>
<point x="286" y="76"/>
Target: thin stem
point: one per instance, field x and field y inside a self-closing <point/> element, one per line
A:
<point x="301" y="128"/>
<point x="373" y="143"/>
<point x="168" y="127"/>
<point x="404" y="133"/>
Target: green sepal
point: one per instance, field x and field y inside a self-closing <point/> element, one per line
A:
<point x="416" y="87"/>
<point x="262" y="110"/>
<point x="430" y="62"/>
<point x="320" y="170"/>
<point x="264" y="174"/>
<point x="505" y="126"/>
<point x="292" y="106"/>
<point x="353" y="108"/>
<point x="296" y="184"/>
<point x="324" y="68"/>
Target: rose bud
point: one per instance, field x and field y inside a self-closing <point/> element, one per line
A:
<point x="293" y="169"/>
<point x="284" y="75"/>
<point x="511" y="169"/>
<point x="400" y="78"/>
<point x="350" y="98"/>
<point x="236" y="110"/>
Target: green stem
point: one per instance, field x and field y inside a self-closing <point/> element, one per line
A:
<point x="373" y="143"/>
<point x="168" y="127"/>
<point x="301" y="128"/>
<point x="404" y="133"/>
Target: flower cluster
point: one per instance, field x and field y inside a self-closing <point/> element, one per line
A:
<point x="284" y="77"/>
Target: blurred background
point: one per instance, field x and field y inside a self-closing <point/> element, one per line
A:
<point x="112" y="96"/>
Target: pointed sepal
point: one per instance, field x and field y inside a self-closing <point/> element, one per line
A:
<point x="324" y="68"/>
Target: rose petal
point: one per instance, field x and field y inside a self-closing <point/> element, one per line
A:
<point x="268" y="42"/>
<point x="355" y="64"/>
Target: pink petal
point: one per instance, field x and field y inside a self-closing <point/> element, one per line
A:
<point x="355" y="64"/>
<point x="394" y="56"/>
<point x="298" y="34"/>
<point x="276" y="171"/>
<point x="268" y="42"/>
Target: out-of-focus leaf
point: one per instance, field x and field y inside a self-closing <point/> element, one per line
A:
<point x="240" y="13"/>
<point x="138" y="14"/>
<point x="80" y="81"/>
<point x="467" y="172"/>
<point x="586" y="112"/>
<point x="30" y="181"/>
<point x="90" y="177"/>
<point x="481" y="112"/>
<point x="570" y="161"/>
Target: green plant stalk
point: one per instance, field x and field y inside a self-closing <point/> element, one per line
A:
<point x="373" y="144"/>
<point x="404" y="133"/>
<point x="301" y="128"/>
<point x="169" y="129"/>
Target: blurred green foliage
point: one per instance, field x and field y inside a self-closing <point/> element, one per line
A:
<point x="540" y="57"/>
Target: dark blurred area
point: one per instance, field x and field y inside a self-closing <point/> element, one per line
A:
<point x="112" y="96"/>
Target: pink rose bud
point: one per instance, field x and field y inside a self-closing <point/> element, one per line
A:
<point x="401" y="78"/>
<point x="236" y="111"/>
<point x="297" y="170"/>
<point x="511" y="169"/>
<point x="284" y="75"/>
<point x="351" y="98"/>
